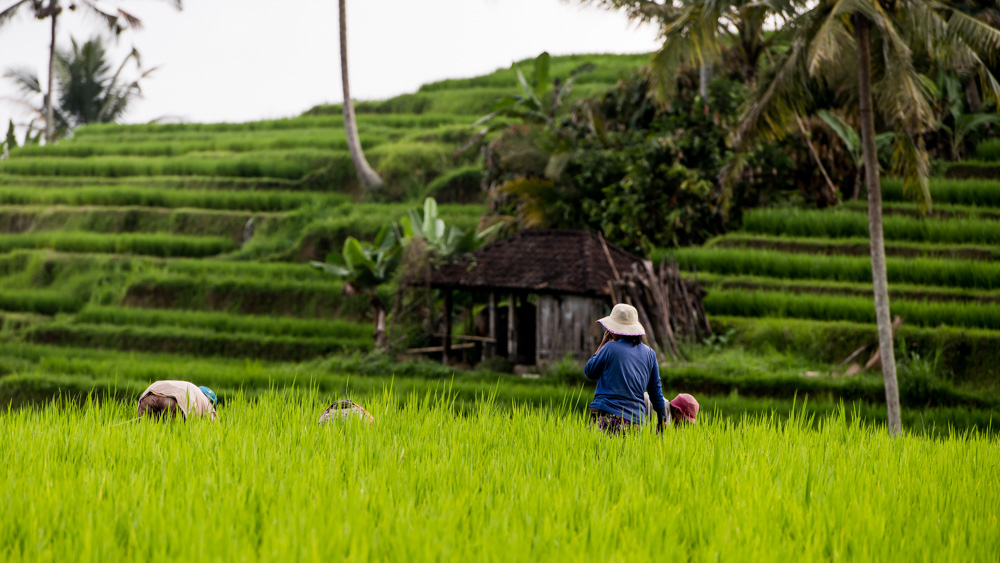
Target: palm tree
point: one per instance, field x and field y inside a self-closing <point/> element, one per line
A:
<point x="87" y="90"/>
<point x="116" y="19"/>
<point x="830" y="48"/>
<point x="368" y="177"/>
<point x="695" y="32"/>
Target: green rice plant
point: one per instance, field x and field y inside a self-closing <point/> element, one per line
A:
<point x="163" y="197"/>
<point x="985" y="193"/>
<point x="988" y="150"/>
<point x="149" y="244"/>
<point x="407" y="167"/>
<point x="192" y="341"/>
<point x="968" y="356"/>
<point x="822" y="287"/>
<point x="192" y="222"/>
<point x="225" y="323"/>
<point x="608" y="70"/>
<point x="364" y="220"/>
<point x="246" y="295"/>
<point x="860" y="309"/>
<point x="845" y="223"/>
<point x="972" y="169"/>
<point x="173" y="182"/>
<point x="267" y="164"/>
<point x="918" y="271"/>
<point x="45" y="302"/>
<point x="461" y="185"/>
<point x="939" y="210"/>
<point x="182" y="144"/>
<point x="425" y="484"/>
<point x="331" y="122"/>
<point x="852" y="246"/>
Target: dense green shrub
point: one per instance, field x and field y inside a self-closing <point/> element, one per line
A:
<point x="643" y="174"/>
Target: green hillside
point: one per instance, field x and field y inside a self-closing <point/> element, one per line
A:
<point x="135" y="252"/>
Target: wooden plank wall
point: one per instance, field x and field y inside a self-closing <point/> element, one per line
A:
<point x="567" y="324"/>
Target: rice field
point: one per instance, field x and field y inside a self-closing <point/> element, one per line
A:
<point x="180" y="250"/>
<point x="427" y="483"/>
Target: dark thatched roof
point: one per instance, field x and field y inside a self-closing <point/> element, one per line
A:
<point x="539" y="261"/>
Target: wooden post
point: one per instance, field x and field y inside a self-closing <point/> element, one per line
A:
<point x="491" y="347"/>
<point x="512" y="330"/>
<point x="446" y="344"/>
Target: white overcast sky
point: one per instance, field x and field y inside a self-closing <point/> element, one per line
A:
<point x="241" y="60"/>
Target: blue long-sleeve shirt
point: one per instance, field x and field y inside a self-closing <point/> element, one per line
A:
<point x="623" y="372"/>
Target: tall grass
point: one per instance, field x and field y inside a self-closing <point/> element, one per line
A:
<point x="264" y="482"/>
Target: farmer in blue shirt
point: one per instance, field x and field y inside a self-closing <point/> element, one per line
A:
<point x="625" y="368"/>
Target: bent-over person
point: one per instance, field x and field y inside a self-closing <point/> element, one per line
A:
<point x="167" y="398"/>
<point x="683" y="409"/>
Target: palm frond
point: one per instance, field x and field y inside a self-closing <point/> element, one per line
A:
<point x="785" y="92"/>
<point x="982" y="37"/>
<point x="902" y="94"/>
<point x="911" y="161"/>
<point x="26" y="80"/>
<point x="831" y="36"/>
<point x="10" y="11"/>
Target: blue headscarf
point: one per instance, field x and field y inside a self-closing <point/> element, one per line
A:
<point x="210" y="394"/>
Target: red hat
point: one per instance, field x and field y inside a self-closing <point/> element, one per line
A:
<point x="688" y="406"/>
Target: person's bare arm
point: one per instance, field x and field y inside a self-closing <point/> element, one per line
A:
<point x="607" y="338"/>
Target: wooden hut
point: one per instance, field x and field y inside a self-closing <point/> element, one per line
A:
<point x="557" y="283"/>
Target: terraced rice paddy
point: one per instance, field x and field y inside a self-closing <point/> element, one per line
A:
<point x="185" y="245"/>
<point x="813" y="266"/>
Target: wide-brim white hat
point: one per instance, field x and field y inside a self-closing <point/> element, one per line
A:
<point x="623" y="321"/>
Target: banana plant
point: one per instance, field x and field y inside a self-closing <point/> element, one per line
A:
<point x="364" y="267"/>
<point x="444" y="240"/>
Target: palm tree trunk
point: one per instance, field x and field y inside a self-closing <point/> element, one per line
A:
<point x="49" y="109"/>
<point x="879" y="278"/>
<point x="368" y="177"/>
<point x="704" y="77"/>
<point x="381" y="340"/>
